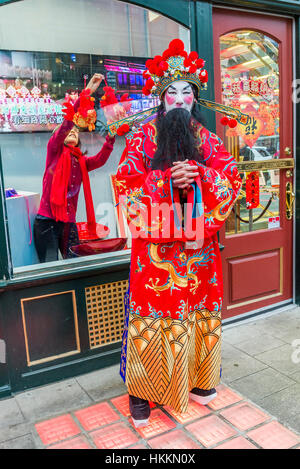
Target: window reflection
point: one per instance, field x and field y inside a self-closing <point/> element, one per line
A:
<point x="249" y="67"/>
<point x="45" y="62"/>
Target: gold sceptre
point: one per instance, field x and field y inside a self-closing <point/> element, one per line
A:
<point x="242" y="118"/>
<point x="135" y="119"/>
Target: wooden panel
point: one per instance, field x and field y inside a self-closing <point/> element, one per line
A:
<point x="105" y="311"/>
<point x="50" y="326"/>
<point x="255" y="275"/>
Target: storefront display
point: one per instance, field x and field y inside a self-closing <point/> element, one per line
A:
<point x="21" y="210"/>
<point x="66" y="316"/>
<point x="38" y="84"/>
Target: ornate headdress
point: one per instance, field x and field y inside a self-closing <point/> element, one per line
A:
<point x="161" y="71"/>
<point x="173" y="65"/>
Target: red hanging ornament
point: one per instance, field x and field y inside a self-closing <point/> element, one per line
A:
<point x="232" y="123"/>
<point x="224" y="120"/>
<point x="68" y="111"/>
<point x="252" y="190"/>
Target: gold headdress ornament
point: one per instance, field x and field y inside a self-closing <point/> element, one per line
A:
<point x="173" y="65"/>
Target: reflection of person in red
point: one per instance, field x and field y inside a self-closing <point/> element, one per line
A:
<point x="172" y="336"/>
<point x="55" y="228"/>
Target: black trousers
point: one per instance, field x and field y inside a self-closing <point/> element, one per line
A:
<point x="51" y="236"/>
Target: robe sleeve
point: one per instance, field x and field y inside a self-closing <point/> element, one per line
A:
<point x="220" y="183"/>
<point x="146" y="195"/>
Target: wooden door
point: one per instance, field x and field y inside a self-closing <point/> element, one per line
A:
<point x="253" y="72"/>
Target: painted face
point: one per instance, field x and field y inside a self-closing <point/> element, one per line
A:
<point x="179" y="95"/>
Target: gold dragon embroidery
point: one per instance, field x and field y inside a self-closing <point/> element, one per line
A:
<point x="174" y="278"/>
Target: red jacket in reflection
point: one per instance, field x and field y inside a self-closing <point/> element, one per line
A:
<point x="54" y="150"/>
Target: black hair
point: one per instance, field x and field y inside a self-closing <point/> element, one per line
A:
<point x="176" y="135"/>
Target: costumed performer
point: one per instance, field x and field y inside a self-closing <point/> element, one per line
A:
<point x="172" y="335"/>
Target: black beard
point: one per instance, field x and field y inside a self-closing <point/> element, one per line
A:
<point x="175" y="139"/>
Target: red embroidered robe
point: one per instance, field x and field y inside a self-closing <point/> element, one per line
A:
<point x="171" y="340"/>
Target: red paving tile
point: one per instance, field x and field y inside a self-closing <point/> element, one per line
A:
<point x="237" y="443"/>
<point x="79" y="442"/>
<point x="210" y="430"/>
<point x="57" y="429"/>
<point x="176" y="439"/>
<point x="122" y="404"/>
<point x="95" y="416"/>
<point x="273" y="435"/>
<point x="194" y="411"/>
<point x="244" y="416"/>
<point x="159" y="422"/>
<point x="115" y="436"/>
<point x="224" y="398"/>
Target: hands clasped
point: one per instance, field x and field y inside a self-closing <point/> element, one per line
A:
<point x="183" y="174"/>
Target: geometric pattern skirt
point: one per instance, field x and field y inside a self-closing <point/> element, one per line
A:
<point x="163" y="359"/>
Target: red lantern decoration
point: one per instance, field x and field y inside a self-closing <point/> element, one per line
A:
<point x="252" y="190"/>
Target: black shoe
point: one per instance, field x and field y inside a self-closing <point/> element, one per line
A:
<point x="140" y="411"/>
<point x="203" y="396"/>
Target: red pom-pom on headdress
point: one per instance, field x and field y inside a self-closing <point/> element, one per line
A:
<point x="203" y="75"/>
<point x="193" y="56"/>
<point x="176" y="46"/>
<point x="166" y="54"/>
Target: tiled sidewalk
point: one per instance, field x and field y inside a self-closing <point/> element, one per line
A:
<point x="258" y="404"/>
<point x="228" y="422"/>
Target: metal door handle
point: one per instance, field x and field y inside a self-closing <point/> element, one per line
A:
<point x="289" y="198"/>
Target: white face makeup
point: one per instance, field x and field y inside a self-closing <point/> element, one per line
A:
<point x="179" y="95"/>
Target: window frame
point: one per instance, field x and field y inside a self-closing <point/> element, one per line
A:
<point x="183" y="13"/>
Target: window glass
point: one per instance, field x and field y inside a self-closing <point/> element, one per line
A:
<point x="250" y="83"/>
<point x="49" y="50"/>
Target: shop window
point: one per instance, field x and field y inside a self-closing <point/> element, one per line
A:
<point x="49" y="51"/>
<point x="250" y="83"/>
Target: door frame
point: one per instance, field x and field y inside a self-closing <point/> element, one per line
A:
<point x="295" y="53"/>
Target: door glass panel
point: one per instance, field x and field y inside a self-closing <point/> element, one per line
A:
<point x="250" y="83"/>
